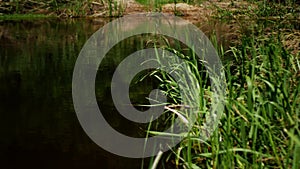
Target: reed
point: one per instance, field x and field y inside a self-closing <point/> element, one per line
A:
<point x="260" y="125"/>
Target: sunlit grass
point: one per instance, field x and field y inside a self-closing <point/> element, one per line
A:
<point x="23" y="16"/>
<point x="260" y="125"/>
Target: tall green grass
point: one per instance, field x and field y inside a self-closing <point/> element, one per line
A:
<point x="62" y="8"/>
<point x="156" y="5"/>
<point x="260" y="124"/>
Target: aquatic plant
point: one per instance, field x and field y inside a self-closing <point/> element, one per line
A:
<point x="260" y="125"/>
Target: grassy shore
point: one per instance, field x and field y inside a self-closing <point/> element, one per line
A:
<point x="115" y="8"/>
<point x="61" y="8"/>
<point x="260" y="125"/>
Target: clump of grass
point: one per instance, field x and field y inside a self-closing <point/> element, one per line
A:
<point x="23" y="16"/>
<point x="264" y="96"/>
<point x="260" y="125"/>
<point x="156" y="5"/>
<point x="259" y="10"/>
<point x="65" y="8"/>
<point x="267" y="9"/>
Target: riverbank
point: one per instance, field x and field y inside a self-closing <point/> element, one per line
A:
<point x="194" y="10"/>
<point x="231" y="18"/>
<point x="259" y="127"/>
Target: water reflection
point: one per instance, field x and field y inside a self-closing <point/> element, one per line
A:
<point x="38" y="125"/>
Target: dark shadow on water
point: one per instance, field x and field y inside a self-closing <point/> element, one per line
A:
<point x="38" y="124"/>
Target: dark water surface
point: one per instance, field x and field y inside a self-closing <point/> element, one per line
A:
<point x="38" y="125"/>
<point x="39" y="128"/>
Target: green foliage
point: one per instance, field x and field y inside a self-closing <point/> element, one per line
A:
<point x="157" y="4"/>
<point x="266" y="9"/>
<point x="260" y="126"/>
<point x="23" y="16"/>
<point x="65" y="8"/>
<point x="261" y="9"/>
